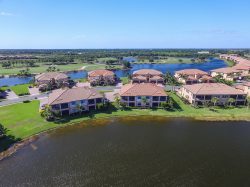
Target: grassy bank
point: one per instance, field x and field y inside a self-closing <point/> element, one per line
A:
<point x="170" y="60"/>
<point x="23" y="120"/>
<point x="21" y="89"/>
<point x="43" y="68"/>
<point x="230" y="63"/>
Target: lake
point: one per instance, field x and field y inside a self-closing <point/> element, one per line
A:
<point x="144" y="151"/>
<point x="205" y="66"/>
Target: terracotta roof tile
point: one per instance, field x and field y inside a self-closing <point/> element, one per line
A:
<point x="147" y="72"/>
<point x="74" y="94"/>
<point x="191" y="72"/>
<point x="226" y="70"/>
<point x="100" y="72"/>
<point x="51" y="75"/>
<point x="212" y="89"/>
<point x="143" y="89"/>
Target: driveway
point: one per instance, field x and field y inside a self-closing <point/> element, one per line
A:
<point x="23" y="98"/>
<point x="34" y="91"/>
<point x="11" y="95"/>
<point x="43" y="101"/>
<point x="82" y="84"/>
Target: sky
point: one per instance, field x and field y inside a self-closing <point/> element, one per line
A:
<point x="79" y="24"/>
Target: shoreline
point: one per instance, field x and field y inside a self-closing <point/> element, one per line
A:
<point x="83" y="68"/>
<point x="32" y="138"/>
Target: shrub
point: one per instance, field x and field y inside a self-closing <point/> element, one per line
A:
<point x="26" y="101"/>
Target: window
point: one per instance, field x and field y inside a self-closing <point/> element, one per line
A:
<point x="241" y="97"/>
<point x="200" y="97"/>
<point x="208" y="97"/>
<point x="155" y="98"/>
<point x="131" y="98"/>
<point x="64" y="105"/>
<point x="98" y="100"/>
<point x="124" y="98"/>
<point x="73" y="102"/>
<point x="155" y="105"/>
<point x="163" y="98"/>
<point x="91" y="101"/>
<point x="139" y="97"/>
<point x="55" y="107"/>
<point x="147" y="97"/>
<point x="138" y="104"/>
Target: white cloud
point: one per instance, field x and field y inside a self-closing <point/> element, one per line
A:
<point x="6" y="14"/>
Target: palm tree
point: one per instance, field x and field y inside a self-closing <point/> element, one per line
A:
<point x="214" y="100"/>
<point x="79" y="108"/>
<point x="47" y="113"/>
<point x="231" y="101"/>
<point x="118" y="100"/>
<point x="144" y="100"/>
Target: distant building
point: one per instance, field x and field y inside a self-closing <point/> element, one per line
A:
<point x="229" y="73"/>
<point x="192" y="76"/>
<point x="203" y="52"/>
<point x="52" y="79"/>
<point x="101" y="77"/>
<point x="148" y="76"/>
<point x="240" y="70"/>
<point x="198" y="94"/>
<point x="245" y="87"/>
<point x="142" y="95"/>
<point x="69" y="101"/>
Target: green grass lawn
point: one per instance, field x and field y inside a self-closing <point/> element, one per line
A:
<point x="124" y="80"/>
<point x="230" y="63"/>
<point x="41" y="69"/>
<point x="21" y="89"/>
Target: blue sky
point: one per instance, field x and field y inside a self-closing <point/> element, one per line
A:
<point x="124" y="24"/>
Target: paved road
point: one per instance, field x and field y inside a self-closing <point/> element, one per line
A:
<point x="23" y="98"/>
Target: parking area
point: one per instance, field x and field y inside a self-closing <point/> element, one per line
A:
<point x="34" y="91"/>
<point x="10" y="95"/>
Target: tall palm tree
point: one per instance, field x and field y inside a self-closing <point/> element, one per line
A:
<point x="214" y="100"/>
<point x="144" y="100"/>
<point x="231" y="101"/>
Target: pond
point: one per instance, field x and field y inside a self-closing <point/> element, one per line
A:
<point x="205" y="66"/>
<point x="145" y="151"/>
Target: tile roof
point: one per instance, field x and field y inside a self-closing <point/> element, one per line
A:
<point x="74" y="94"/>
<point x="226" y="70"/>
<point x="143" y="89"/>
<point x="51" y="75"/>
<point x="191" y="72"/>
<point x="147" y="72"/>
<point x="156" y="77"/>
<point x="246" y="83"/>
<point x="212" y="89"/>
<point x="100" y="72"/>
<point x="206" y="77"/>
<point x="140" y="77"/>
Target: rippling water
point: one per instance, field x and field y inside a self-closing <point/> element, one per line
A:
<point x="143" y="151"/>
<point x="206" y="66"/>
